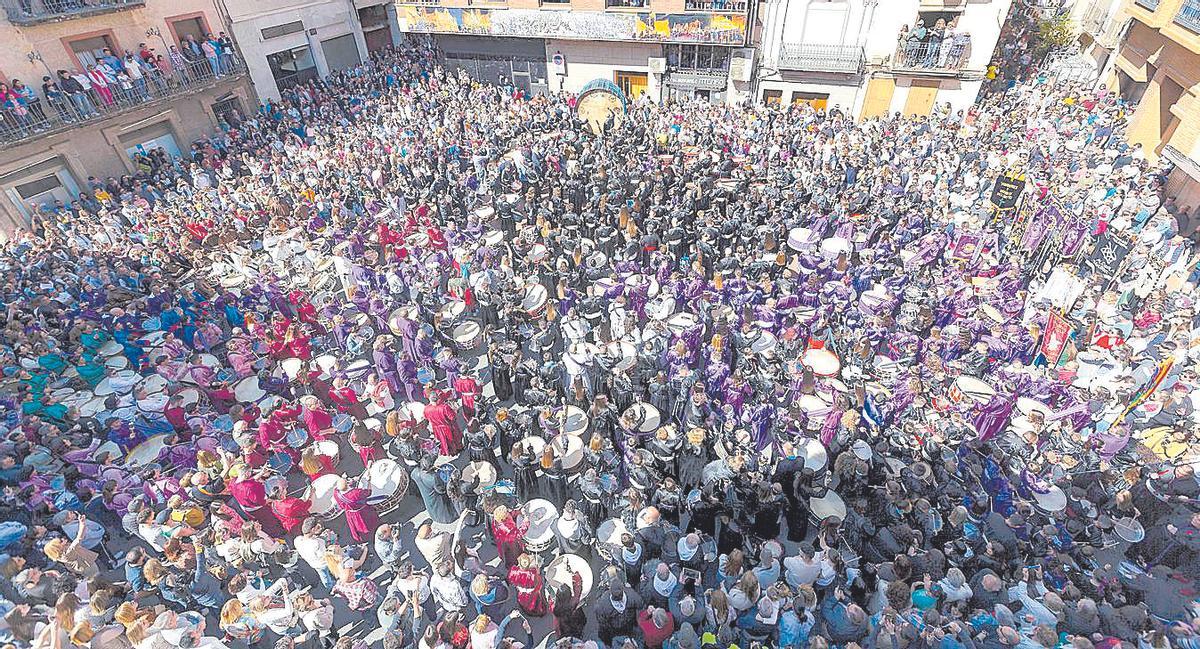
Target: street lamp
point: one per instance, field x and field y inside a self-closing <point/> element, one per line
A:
<point x="154" y="31"/>
<point x="35" y="55"/>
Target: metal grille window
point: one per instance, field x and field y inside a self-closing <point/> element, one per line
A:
<point x="698" y="57"/>
<point x="1189" y="15"/>
<point x="228" y="105"/>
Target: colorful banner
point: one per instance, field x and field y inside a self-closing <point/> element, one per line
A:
<point x="966" y="247"/>
<point x="1007" y="190"/>
<point x="1054" y="340"/>
<point x="720" y="29"/>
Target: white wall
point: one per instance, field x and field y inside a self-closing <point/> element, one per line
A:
<point x="588" y="60"/>
<point x="329" y="19"/>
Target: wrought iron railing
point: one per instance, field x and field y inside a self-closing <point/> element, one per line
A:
<point x="29" y="12"/>
<point x="947" y="55"/>
<point x="717" y="6"/>
<point x="68" y="106"/>
<point x="1147" y="4"/>
<point x="1188" y="15"/>
<point x="811" y="57"/>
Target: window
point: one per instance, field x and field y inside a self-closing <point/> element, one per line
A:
<point x="33" y="189"/>
<point x="89" y="50"/>
<point x="817" y="100"/>
<point x="282" y="30"/>
<point x="226" y="105"/>
<point x="293" y="66"/>
<point x="148" y="138"/>
<point x="372" y="16"/>
<point x="698" y="57"/>
<point x="193" y="27"/>
<point x="772" y="97"/>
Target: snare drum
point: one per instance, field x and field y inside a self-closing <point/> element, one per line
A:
<point x="484" y="471"/>
<point x="531" y="445"/>
<point x="153" y="383"/>
<point x="320" y="495"/>
<point x="541" y="515"/>
<point x="147" y="452"/>
<point x="291" y="367"/>
<point x="682" y="322"/>
<point x="570" y="449"/>
<point x="329" y="449"/>
<point x="110" y="348"/>
<point x="534" y="302"/>
<point x="576" y="421"/>
<point x="358" y="369"/>
<point x="823" y="362"/>
<point x="814" y="454"/>
<point x="388" y="483"/>
<point x="1129" y="530"/>
<point x="969" y="387"/>
<point x="559" y="576"/>
<point x="247" y="390"/>
<point x="453" y="310"/>
<point x="116" y="362"/>
<point x="1054" y="500"/>
<point x="801" y="239"/>
<point x="829" y="506"/>
<point x="188" y="396"/>
<point x="661" y="307"/>
<point x="642" y="417"/>
<point x="468" y="336"/>
<point x="296" y="437"/>
<point x="608" y="537"/>
<point x="493" y="238"/>
<point x="834" y="246"/>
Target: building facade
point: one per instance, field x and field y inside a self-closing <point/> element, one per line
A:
<point x="89" y="85"/>
<point x="872" y="57"/>
<point x="663" y="49"/>
<point x="293" y="41"/>
<point x="1157" y="66"/>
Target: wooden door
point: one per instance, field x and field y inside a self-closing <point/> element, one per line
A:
<point x="921" y="96"/>
<point x="878" y="102"/>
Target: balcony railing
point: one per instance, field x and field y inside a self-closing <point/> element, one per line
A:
<point x="30" y="12"/>
<point x="427" y="3"/>
<point x="1095" y="17"/>
<point x="717" y="6"/>
<point x="62" y="110"/>
<point x="1150" y="5"/>
<point x="945" y="56"/>
<point x="821" y="58"/>
<point x="1189" y="15"/>
<point x="627" y="4"/>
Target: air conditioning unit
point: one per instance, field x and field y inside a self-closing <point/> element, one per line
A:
<point x="658" y="65"/>
<point x="739" y="69"/>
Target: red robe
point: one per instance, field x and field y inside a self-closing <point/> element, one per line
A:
<point x="316" y="421"/>
<point x="468" y="390"/>
<point x="249" y="493"/>
<point x="442" y="422"/>
<point x="360" y="516"/>
<point x="510" y="538"/>
<point x="531" y="593"/>
<point x="290" y="511"/>
<point x="346" y="400"/>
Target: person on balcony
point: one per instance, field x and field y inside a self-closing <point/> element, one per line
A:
<point x="78" y="93"/>
<point x="934" y="44"/>
<point x="912" y="42"/>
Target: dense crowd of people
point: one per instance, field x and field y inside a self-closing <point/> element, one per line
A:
<point x="404" y="360"/>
